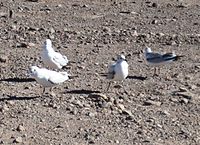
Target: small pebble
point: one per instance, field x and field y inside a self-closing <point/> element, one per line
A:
<point x="18" y="140"/>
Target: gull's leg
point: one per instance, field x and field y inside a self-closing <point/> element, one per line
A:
<point x="155" y="72"/>
<point x="51" y="92"/>
<point x="108" y="86"/>
<point x="159" y="70"/>
<point x="124" y="87"/>
<point x="43" y="91"/>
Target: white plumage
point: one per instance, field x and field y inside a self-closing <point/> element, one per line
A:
<point x="48" y="78"/>
<point x="52" y="59"/>
<point x="118" y="71"/>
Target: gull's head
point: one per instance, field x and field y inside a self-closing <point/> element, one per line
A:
<point x="121" y="57"/>
<point x="33" y="71"/>
<point x="148" y="50"/>
<point x="47" y="43"/>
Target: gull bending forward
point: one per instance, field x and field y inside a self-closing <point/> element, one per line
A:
<point x="51" y="58"/>
<point x="118" y="71"/>
<point x="158" y="59"/>
<point x="48" y="78"/>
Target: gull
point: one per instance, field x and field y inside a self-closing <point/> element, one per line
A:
<point x="51" y="58"/>
<point x="118" y="71"/>
<point x="158" y="59"/>
<point x="48" y="78"/>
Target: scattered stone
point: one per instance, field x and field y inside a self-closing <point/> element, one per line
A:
<point x="31" y="44"/>
<point x="77" y="102"/>
<point x="52" y="30"/>
<point x="184" y="100"/>
<point x="98" y="95"/>
<point x="160" y="34"/>
<point x="90" y="114"/>
<point x="20" y="128"/>
<point x="150" y="102"/>
<point x="22" y="44"/>
<point x="118" y="86"/>
<point x="123" y="110"/>
<point x="10" y="102"/>
<point x="116" y="141"/>
<point x="107" y="29"/>
<point x="155" y="22"/>
<point x="3" y="58"/>
<point x="181" y="89"/>
<point x="187" y="95"/>
<point x="18" y="140"/>
<point x="155" y="5"/>
<point x="4" y="108"/>
<point x="121" y="106"/>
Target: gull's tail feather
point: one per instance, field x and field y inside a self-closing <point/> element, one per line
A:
<point x="103" y="74"/>
<point x="72" y="77"/>
<point x="178" y="57"/>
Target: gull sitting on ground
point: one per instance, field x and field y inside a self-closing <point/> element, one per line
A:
<point x="157" y="59"/>
<point x="118" y="71"/>
<point x="51" y="58"/>
<point x="48" y="78"/>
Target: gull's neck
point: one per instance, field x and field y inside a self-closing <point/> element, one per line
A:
<point x="48" y="48"/>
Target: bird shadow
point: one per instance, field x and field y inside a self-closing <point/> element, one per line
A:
<point x="141" y="78"/>
<point x="15" y="98"/>
<point x="82" y="91"/>
<point x="21" y="80"/>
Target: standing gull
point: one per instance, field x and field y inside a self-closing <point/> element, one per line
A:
<point x="48" y="78"/>
<point x="51" y="58"/>
<point x="118" y="71"/>
<point x="158" y="59"/>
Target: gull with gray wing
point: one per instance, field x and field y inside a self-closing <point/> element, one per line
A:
<point x="118" y="71"/>
<point x="158" y="59"/>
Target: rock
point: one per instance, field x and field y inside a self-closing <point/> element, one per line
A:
<point x="150" y="102"/>
<point x="182" y="89"/>
<point x="160" y="34"/>
<point x="31" y="44"/>
<point x="3" y="58"/>
<point x="121" y="106"/>
<point x="33" y="0"/>
<point x="116" y="141"/>
<point x="107" y="29"/>
<point x="184" y="100"/>
<point x="123" y="110"/>
<point x="155" y="5"/>
<point x="77" y="102"/>
<point x="4" y="108"/>
<point x="10" y="102"/>
<point x="52" y="30"/>
<point x="187" y="95"/>
<point x="155" y="22"/>
<point x="98" y="95"/>
<point x="20" y="128"/>
<point x="90" y="114"/>
<point x="18" y="140"/>
<point x="22" y="44"/>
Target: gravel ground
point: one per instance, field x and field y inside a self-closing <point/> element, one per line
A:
<point x="162" y="110"/>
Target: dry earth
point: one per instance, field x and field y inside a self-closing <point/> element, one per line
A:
<point x="163" y="110"/>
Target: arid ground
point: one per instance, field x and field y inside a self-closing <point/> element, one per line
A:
<point x="142" y="110"/>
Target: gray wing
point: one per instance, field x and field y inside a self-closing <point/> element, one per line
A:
<point x="60" y="59"/>
<point x="159" y="58"/>
<point x="154" y="57"/>
<point x="111" y="71"/>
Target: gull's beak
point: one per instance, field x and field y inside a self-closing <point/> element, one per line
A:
<point x="29" y="73"/>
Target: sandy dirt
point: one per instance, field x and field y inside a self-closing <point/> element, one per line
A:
<point x="143" y="110"/>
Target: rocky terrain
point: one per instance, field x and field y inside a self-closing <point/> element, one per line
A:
<point x="146" y="110"/>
